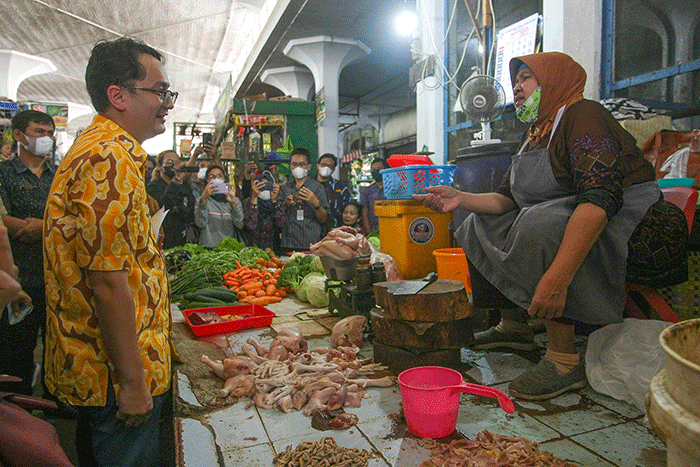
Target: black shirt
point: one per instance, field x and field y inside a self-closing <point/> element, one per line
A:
<point x="24" y="195"/>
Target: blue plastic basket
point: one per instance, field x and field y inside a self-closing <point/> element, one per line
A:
<point x="402" y="182"/>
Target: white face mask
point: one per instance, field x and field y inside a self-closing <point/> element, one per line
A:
<point x="265" y="195"/>
<point x="217" y="181"/>
<point x="39" y="146"/>
<point x="325" y="171"/>
<point x="202" y="174"/>
<point x="300" y="172"/>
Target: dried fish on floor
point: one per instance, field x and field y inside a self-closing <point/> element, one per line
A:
<point x="324" y="453"/>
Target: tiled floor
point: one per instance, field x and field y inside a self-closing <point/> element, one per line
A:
<point x="585" y="428"/>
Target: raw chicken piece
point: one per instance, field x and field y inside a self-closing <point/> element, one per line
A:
<point x="285" y="404"/>
<point x="348" y="331"/>
<point x="229" y="367"/>
<point x="299" y="398"/>
<point x="292" y="339"/>
<point x="318" y="400"/>
<point x="239" y="386"/>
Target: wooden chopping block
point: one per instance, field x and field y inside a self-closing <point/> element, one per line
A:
<point x="443" y="300"/>
<point x="421" y="334"/>
<point x="399" y="359"/>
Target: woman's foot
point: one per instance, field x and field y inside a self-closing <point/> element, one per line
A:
<point x="496" y="337"/>
<point x="545" y="382"/>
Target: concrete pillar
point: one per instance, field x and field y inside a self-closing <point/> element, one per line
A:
<point x="15" y="67"/>
<point x="293" y="81"/>
<point x="582" y="41"/>
<point x="430" y="103"/>
<point x="326" y="56"/>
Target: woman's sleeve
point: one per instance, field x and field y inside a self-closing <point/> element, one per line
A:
<point x="594" y="158"/>
<point x="279" y="215"/>
<point x="200" y="214"/>
<point x="250" y="212"/>
<point x="237" y="214"/>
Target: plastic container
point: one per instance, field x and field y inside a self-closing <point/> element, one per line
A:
<point x="252" y="316"/>
<point x="667" y="182"/>
<point x="673" y="400"/>
<point x="399" y="160"/>
<point x="452" y="265"/>
<point x="430" y="398"/>
<point x="402" y="182"/>
<point x="409" y="233"/>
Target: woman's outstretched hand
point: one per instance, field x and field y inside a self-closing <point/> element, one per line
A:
<point x="440" y="198"/>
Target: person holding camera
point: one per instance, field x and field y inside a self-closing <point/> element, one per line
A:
<point x="219" y="213"/>
<point x="264" y="212"/>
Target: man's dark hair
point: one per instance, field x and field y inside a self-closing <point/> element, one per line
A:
<point x="303" y="152"/>
<point x="330" y="156"/>
<point x="115" y="63"/>
<point x="22" y="119"/>
<point x="161" y="156"/>
<point x="385" y="164"/>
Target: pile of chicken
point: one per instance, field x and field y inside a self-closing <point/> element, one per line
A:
<point x="342" y="243"/>
<point x="288" y="375"/>
<point x="490" y="450"/>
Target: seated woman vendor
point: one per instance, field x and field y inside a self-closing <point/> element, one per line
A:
<point x="578" y="211"/>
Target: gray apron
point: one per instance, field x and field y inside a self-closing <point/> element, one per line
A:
<point x="513" y="250"/>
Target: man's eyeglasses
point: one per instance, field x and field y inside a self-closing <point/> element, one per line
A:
<point x="166" y="95"/>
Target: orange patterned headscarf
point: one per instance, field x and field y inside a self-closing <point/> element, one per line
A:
<point x="562" y="80"/>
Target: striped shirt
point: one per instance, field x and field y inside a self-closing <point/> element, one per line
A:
<point x="301" y="228"/>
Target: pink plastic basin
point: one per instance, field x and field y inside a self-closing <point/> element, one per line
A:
<point x="430" y="397"/>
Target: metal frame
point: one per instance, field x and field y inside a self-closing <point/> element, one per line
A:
<point x="607" y="66"/>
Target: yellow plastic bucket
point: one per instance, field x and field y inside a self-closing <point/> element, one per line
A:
<point x="452" y="265"/>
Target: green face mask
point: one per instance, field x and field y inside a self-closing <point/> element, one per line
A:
<point x="527" y="113"/>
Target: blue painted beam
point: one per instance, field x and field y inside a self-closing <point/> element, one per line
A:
<point x="656" y="75"/>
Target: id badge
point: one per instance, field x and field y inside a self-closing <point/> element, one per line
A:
<point x="300" y="214"/>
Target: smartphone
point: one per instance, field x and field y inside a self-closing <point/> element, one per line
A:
<point x="189" y="168"/>
<point x="207" y="138"/>
<point x="220" y="188"/>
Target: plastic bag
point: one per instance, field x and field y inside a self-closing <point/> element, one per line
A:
<point x="677" y="164"/>
<point x="622" y="358"/>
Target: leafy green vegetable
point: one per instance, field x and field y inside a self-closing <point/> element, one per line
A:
<point x="229" y="244"/>
<point x="373" y="238"/>
<point x="193" y="248"/>
<point x="301" y="290"/>
<point x="250" y="254"/>
<point x="217" y="262"/>
<point x="316" y="290"/>
<point x="317" y="265"/>
<point x="295" y="270"/>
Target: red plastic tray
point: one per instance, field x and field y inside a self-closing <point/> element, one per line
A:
<point x="399" y="160"/>
<point x="258" y="317"/>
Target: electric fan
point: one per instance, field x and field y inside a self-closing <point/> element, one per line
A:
<point x="483" y="100"/>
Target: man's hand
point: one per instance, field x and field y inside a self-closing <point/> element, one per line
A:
<point x="307" y="195"/>
<point x="231" y="195"/>
<point x="274" y="194"/>
<point x="135" y="404"/>
<point x="440" y="198"/>
<point x="289" y="200"/>
<point x="31" y="232"/>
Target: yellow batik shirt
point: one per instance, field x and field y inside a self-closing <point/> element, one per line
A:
<point x="97" y="218"/>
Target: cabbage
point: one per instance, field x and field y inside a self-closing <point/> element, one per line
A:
<point x="301" y="290"/>
<point x="375" y="242"/>
<point x="316" y="292"/>
<point x="317" y="265"/>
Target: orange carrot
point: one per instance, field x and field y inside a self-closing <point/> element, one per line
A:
<point x="260" y="293"/>
<point x="270" y="289"/>
<point x="242" y="294"/>
<point x="250" y="286"/>
<point x="264" y="300"/>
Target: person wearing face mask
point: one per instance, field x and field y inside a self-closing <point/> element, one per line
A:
<point x="374" y="192"/>
<point x="336" y="191"/>
<point x="305" y="205"/>
<point x="25" y="182"/>
<point x="264" y="212"/>
<point x="168" y="161"/>
<point x="577" y="214"/>
<point x="219" y="213"/>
